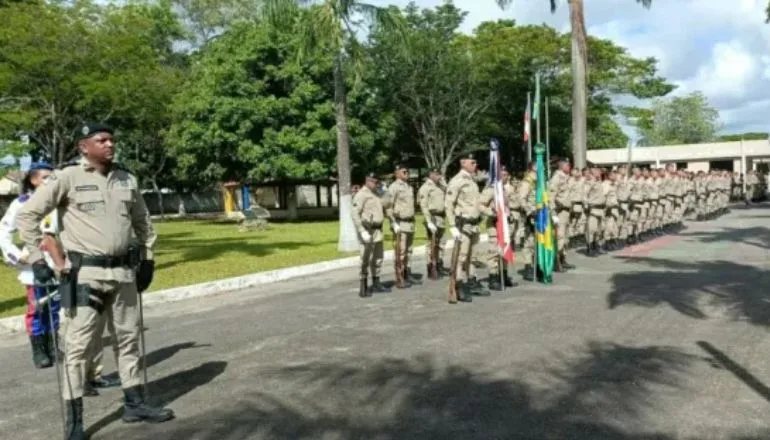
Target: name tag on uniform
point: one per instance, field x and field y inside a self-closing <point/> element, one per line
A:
<point x="81" y="188"/>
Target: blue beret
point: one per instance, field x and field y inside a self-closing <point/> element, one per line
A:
<point x="40" y="166"/>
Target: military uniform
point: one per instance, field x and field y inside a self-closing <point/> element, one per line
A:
<point x="577" y="211"/>
<point x="528" y="197"/>
<point x="611" y="223"/>
<point x="514" y="210"/>
<point x="368" y="214"/>
<point x="401" y="209"/>
<point x="463" y="216"/>
<point x="431" y="199"/>
<point x="98" y="211"/>
<point x="596" y="199"/>
<point x="623" y="191"/>
<point x="560" y="192"/>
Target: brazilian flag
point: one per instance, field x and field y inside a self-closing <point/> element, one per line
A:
<point x="544" y="232"/>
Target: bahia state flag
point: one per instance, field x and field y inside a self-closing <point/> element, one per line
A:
<point x="501" y="203"/>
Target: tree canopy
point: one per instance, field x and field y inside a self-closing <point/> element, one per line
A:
<point x="677" y="120"/>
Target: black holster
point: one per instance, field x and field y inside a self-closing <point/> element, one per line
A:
<point x="68" y="285"/>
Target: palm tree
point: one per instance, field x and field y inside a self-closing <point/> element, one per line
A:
<point x="331" y="25"/>
<point x="579" y="74"/>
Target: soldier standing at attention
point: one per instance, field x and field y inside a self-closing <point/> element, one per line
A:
<point x="596" y="206"/>
<point x="400" y="210"/>
<point x="99" y="205"/>
<point x="368" y="215"/>
<point x="431" y="197"/>
<point x="488" y="208"/>
<point x="528" y="197"/>
<point x="623" y="189"/>
<point x="514" y="208"/>
<point x="576" y="190"/>
<point x="463" y="217"/>
<point x="612" y="220"/>
<point x="560" y="191"/>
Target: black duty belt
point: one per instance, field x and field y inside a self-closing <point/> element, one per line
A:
<point x="105" y="262"/>
<point x="370" y="225"/>
<point x="597" y="206"/>
<point x="404" y="219"/>
<point x="437" y="213"/>
<point x="470" y="221"/>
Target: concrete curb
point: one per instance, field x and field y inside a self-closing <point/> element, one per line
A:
<point x="15" y="324"/>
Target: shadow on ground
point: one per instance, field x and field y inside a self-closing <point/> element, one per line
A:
<point x="700" y="290"/>
<point x="603" y="391"/>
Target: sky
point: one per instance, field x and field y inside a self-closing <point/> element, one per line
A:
<point x="720" y="47"/>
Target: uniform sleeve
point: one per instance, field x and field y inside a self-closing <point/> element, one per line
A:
<point x="11" y="252"/>
<point x="44" y="200"/>
<point x="356" y="212"/>
<point x="526" y="204"/>
<point x="393" y="191"/>
<point x="423" y="196"/>
<point x="50" y="223"/>
<point x="486" y="202"/>
<point x="449" y="203"/>
<point x="145" y="231"/>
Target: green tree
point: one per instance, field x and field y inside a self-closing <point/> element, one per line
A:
<point x="330" y="27"/>
<point x="61" y="65"/>
<point x="249" y="111"/>
<point x="750" y="136"/>
<point x="678" y="120"/>
<point x="580" y="74"/>
<point x="426" y="73"/>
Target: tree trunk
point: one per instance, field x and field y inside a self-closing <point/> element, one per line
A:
<point x="348" y="239"/>
<point x="579" y="98"/>
<point x="158" y="194"/>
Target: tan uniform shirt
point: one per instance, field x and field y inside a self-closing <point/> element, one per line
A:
<point x="401" y="203"/>
<point x="98" y="214"/>
<point x="610" y="194"/>
<point x="559" y="189"/>
<point x="623" y="189"/>
<point x="368" y="212"/>
<point x="462" y="198"/>
<point x="596" y="197"/>
<point x="527" y="196"/>
<point x="431" y="198"/>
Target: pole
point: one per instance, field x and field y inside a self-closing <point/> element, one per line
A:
<point x="538" y="120"/>
<point x="547" y="141"/>
<point x="502" y="280"/>
<point x="142" y="347"/>
<point x="743" y="169"/>
<point x="628" y="170"/>
<point x="529" y="136"/>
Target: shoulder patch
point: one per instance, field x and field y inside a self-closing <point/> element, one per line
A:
<point x="23" y="198"/>
<point x="68" y="164"/>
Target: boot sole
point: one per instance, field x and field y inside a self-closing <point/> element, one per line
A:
<point x="148" y="420"/>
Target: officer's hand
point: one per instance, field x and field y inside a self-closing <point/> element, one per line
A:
<point x="455" y="232"/>
<point x="432" y="227"/>
<point x="42" y="273"/>
<point x="396" y="228"/>
<point x="366" y="236"/>
<point x="144" y="275"/>
<point x="555" y="219"/>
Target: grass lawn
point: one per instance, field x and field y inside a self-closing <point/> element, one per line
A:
<point x="195" y="251"/>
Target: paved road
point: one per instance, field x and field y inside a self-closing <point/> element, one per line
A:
<point x="662" y="341"/>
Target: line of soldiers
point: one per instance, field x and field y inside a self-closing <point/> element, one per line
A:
<point x="598" y="209"/>
<point x="756" y="186"/>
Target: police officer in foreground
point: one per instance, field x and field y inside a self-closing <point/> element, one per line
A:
<point x="431" y="200"/>
<point x="368" y="214"/>
<point x="99" y="206"/>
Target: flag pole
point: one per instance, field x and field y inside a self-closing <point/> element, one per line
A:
<point x="529" y="137"/>
<point x="547" y="141"/>
<point x="537" y="104"/>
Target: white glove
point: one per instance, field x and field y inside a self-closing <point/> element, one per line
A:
<point x="366" y="237"/>
<point x="432" y="227"/>
<point x="554" y="219"/>
<point x="455" y="232"/>
<point x="396" y="228"/>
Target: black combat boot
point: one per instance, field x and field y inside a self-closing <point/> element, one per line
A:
<point x="464" y="293"/>
<point x="363" y="290"/>
<point x="411" y="276"/>
<point x="476" y="288"/>
<point x="136" y="410"/>
<point x="74" y="422"/>
<point x="508" y="280"/>
<point x="601" y="249"/>
<point x="529" y="273"/>
<point x="564" y="264"/>
<point x="39" y="355"/>
<point x="377" y="286"/>
<point x="493" y="282"/>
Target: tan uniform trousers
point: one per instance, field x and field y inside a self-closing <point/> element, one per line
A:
<point x="492" y="254"/>
<point x="372" y="254"/>
<point x="562" y="229"/>
<point x="406" y="237"/>
<point x="595" y="225"/>
<point x="667" y="209"/>
<point x="701" y="206"/>
<point x="516" y="228"/>
<point x="625" y="223"/>
<point x="469" y="238"/>
<point x="528" y="244"/>
<point x="94" y="366"/>
<point x="610" y="224"/>
<point x="639" y="211"/>
<point x="440" y="223"/>
<point x="574" y="221"/>
<point x="120" y="306"/>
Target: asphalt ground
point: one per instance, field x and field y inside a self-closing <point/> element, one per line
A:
<point x="665" y="340"/>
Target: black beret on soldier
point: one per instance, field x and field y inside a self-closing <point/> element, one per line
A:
<point x="89" y="129"/>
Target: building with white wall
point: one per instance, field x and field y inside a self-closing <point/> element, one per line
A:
<point x="731" y="156"/>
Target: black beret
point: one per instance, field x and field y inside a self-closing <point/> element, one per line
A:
<point x="468" y="156"/>
<point x="88" y="129"/>
<point x="372" y="176"/>
<point x="434" y="171"/>
<point x="401" y="166"/>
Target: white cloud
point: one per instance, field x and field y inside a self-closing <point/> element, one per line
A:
<point x="717" y="46"/>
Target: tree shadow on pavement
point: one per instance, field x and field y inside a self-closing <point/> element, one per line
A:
<point x="700" y="289"/>
<point x="166" y="390"/>
<point x="757" y="236"/>
<point x="602" y="392"/>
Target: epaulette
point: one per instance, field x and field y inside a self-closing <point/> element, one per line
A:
<point x="67" y="164"/>
<point x="122" y="167"/>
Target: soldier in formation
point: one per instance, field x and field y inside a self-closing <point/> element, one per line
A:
<point x="600" y="209"/>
